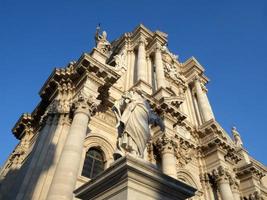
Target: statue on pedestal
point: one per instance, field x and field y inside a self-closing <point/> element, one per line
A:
<point x="133" y="115"/>
<point x="101" y="41"/>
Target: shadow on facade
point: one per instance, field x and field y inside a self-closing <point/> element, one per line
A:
<point x="26" y="182"/>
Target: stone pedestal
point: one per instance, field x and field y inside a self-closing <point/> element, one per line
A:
<point x="130" y="179"/>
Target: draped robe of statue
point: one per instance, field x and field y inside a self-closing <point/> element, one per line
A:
<point x="134" y="116"/>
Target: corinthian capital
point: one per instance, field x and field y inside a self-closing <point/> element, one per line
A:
<point x="158" y="47"/>
<point x="142" y="41"/>
<point x="220" y="174"/>
<point x="84" y="105"/>
<point x="166" y="144"/>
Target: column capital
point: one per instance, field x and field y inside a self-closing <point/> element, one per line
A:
<point x="196" y="79"/>
<point x="204" y="177"/>
<point x="166" y="144"/>
<point x="158" y="47"/>
<point x="85" y="105"/>
<point x="234" y="183"/>
<point x="142" y="41"/>
<point x="220" y="175"/>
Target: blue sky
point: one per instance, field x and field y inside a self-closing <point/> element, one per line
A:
<point x="229" y="38"/>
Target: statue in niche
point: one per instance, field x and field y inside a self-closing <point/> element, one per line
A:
<point x="237" y="137"/>
<point x="101" y="41"/>
<point x="133" y="115"/>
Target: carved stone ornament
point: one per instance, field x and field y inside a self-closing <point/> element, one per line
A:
<point x="133" y="115"/>
<point x="222" y="174"/>
<point x="166" y="144"/>
<point x="101" y="41"/>
<point x="185" y="152"/>
<point x="171" y="71"/>
<point x="86" y="105"/>
<point x="121" y="62"/>
<point x="165" y="50"/>
<point x="63" y="101"/>
<point x="254" y="196"/>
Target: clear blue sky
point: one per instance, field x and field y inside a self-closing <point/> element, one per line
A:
<point x="229" y="38"/>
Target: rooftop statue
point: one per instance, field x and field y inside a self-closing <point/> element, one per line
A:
<point x="237" y="137"/>
<point x="133" y="115"/>
<point x="101" y="41"/>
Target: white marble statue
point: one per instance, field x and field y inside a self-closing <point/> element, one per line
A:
<point x="237" y="137"/>
<point x="133" y="115"/>
<point x="101" y="41"/>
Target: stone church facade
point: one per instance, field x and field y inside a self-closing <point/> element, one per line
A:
<point x="71" y="135"/>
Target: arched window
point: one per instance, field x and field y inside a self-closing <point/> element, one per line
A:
<point x="93" y="163"/>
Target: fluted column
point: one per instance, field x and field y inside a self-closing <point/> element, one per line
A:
<point x="166" y="147"/>
<point x="141" y="61"/>
<point x="203" y="102"/>
<point x="64" y="180"/>
<point x="222" y="180"/>
<point x="159" y="68"/>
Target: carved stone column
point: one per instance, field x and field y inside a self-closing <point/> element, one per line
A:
<point x="222" y="179"/>
<point x="203" y="101"/>
<point x="235" y="188"/>
<point x="159" y="68"/>
<point x="141" y="61"/>
<point x="66" y="173"/>
<point x="166" y="147"/>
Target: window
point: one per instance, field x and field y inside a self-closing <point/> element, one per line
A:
<point x="93" y="163"/>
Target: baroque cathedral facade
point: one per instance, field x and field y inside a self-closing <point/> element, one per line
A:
<point x="71" y="136"/>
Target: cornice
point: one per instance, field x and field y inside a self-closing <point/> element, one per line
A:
<point x="251" y="169"/>
<point x="192" y="68"/>
<point x="213" y="138"/>
<point x="23" y="123"/>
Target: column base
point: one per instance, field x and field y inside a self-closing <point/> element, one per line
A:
<point x="131" y="178"/>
